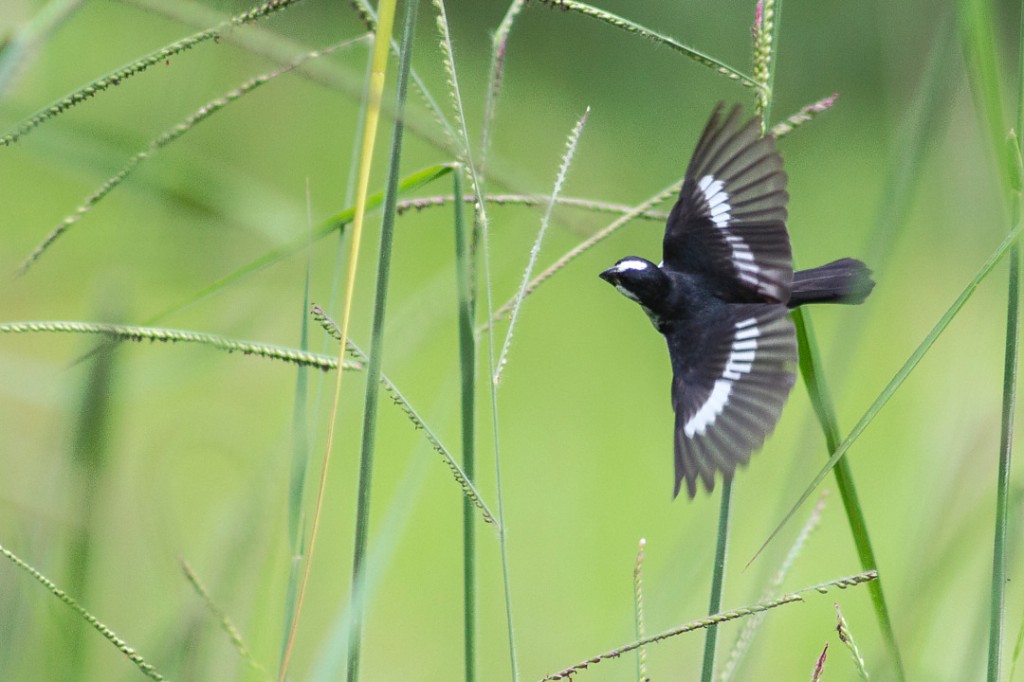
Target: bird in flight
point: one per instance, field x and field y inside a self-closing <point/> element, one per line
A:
<point x="720" y="298"/>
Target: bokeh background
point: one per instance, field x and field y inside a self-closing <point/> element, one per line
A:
<point x="190" y="457"/>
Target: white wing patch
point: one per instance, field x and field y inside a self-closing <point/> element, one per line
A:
<point x="740" y="362"/>
<point x="718" y="204"/>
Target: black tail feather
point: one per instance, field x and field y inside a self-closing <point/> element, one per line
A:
<point x="846" y="280"/>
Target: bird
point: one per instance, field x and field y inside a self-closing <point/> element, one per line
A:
<point x="722" y="294"/>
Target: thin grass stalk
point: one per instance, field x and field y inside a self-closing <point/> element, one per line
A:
<point x="632" y="27"/>
<point x="570" y="151"/>
<point x="88" y="458"/>
<point x="846" y="637"/>
<point x="997" y="606"/>
<point x="482" y="228"/>
<point x="746" y="636"/>
<point x="377" y="75"/>
<point x="531" y="200"/>
<point x="772" y="22"/>
<point x="377" y="347"/>
<point x="999" y="575"/>
<point x="715" y="619"/>
<point x="226" y="624"/>
<point x="299" y="470"/>
<point x="638" y="612"/>
<point x="1017" y="648"/>
<point x="582" y="247"/>
<point x="497" y="70"/>
<point x="129" y="652"/>
<point x="124" y="332"/>
<point x="765" y="48"/>
<point x="467" y="365"/>
<point x="415" y="419"/>
<point x="717" y="579"/>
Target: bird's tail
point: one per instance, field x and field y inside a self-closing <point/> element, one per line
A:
<point x="846" y="280"/>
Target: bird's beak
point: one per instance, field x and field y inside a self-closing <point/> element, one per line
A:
<point x="610" y="275"/>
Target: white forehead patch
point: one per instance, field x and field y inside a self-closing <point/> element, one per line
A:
<point x="740" y="362"/>
<point x="631" y="264"/>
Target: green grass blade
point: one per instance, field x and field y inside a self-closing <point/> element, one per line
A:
<point x="300" y="459"/>
<point x="483" y="226"/>
<point x="900" y="376"/>
<point x="821" y="400"/>
<point x="717" y="580"/>
<point x="997" y="608"/>
<point x="466" y="287"/>
<point x="335" y="223"/>
<point x="377" y="349"/>
<point x="89" y="454"/>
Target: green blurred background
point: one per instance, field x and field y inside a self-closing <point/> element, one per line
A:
<point x="191" y="453"/>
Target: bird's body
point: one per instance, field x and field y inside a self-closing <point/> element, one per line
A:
<point x="720" y="298"/>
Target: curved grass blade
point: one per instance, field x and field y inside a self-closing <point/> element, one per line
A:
<point x="194" y="119"/>
<point x="130" y="653"/>
<point x="136" y="67"/>
<point x="126" y="332"/>
<point x="337" y="222"/>
<point x="897" y="380"/>
<point x="570" y="151"/>
<point x="814" y="380"/>
<point x="715" y="619"/>
<point x="632" y="27"/>
<point x="584" y="246"/>
<point x="528" y="200"/>
<point x="226" y="624"/>
<point x="377" y="73"/>
<point x="399" y="400"/>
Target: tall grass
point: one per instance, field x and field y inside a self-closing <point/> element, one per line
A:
<point x="563" y="609"/>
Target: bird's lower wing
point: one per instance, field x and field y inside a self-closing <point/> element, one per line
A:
<point x="730" y="400"/>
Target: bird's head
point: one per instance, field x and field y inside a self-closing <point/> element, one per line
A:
<point x="639" y="280"/>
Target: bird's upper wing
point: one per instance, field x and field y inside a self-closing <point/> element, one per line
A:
<point x="728" y="389"/>
<point x="729" y="224"/>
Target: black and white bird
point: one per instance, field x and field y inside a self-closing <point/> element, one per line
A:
<point x="720" y="297"/>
